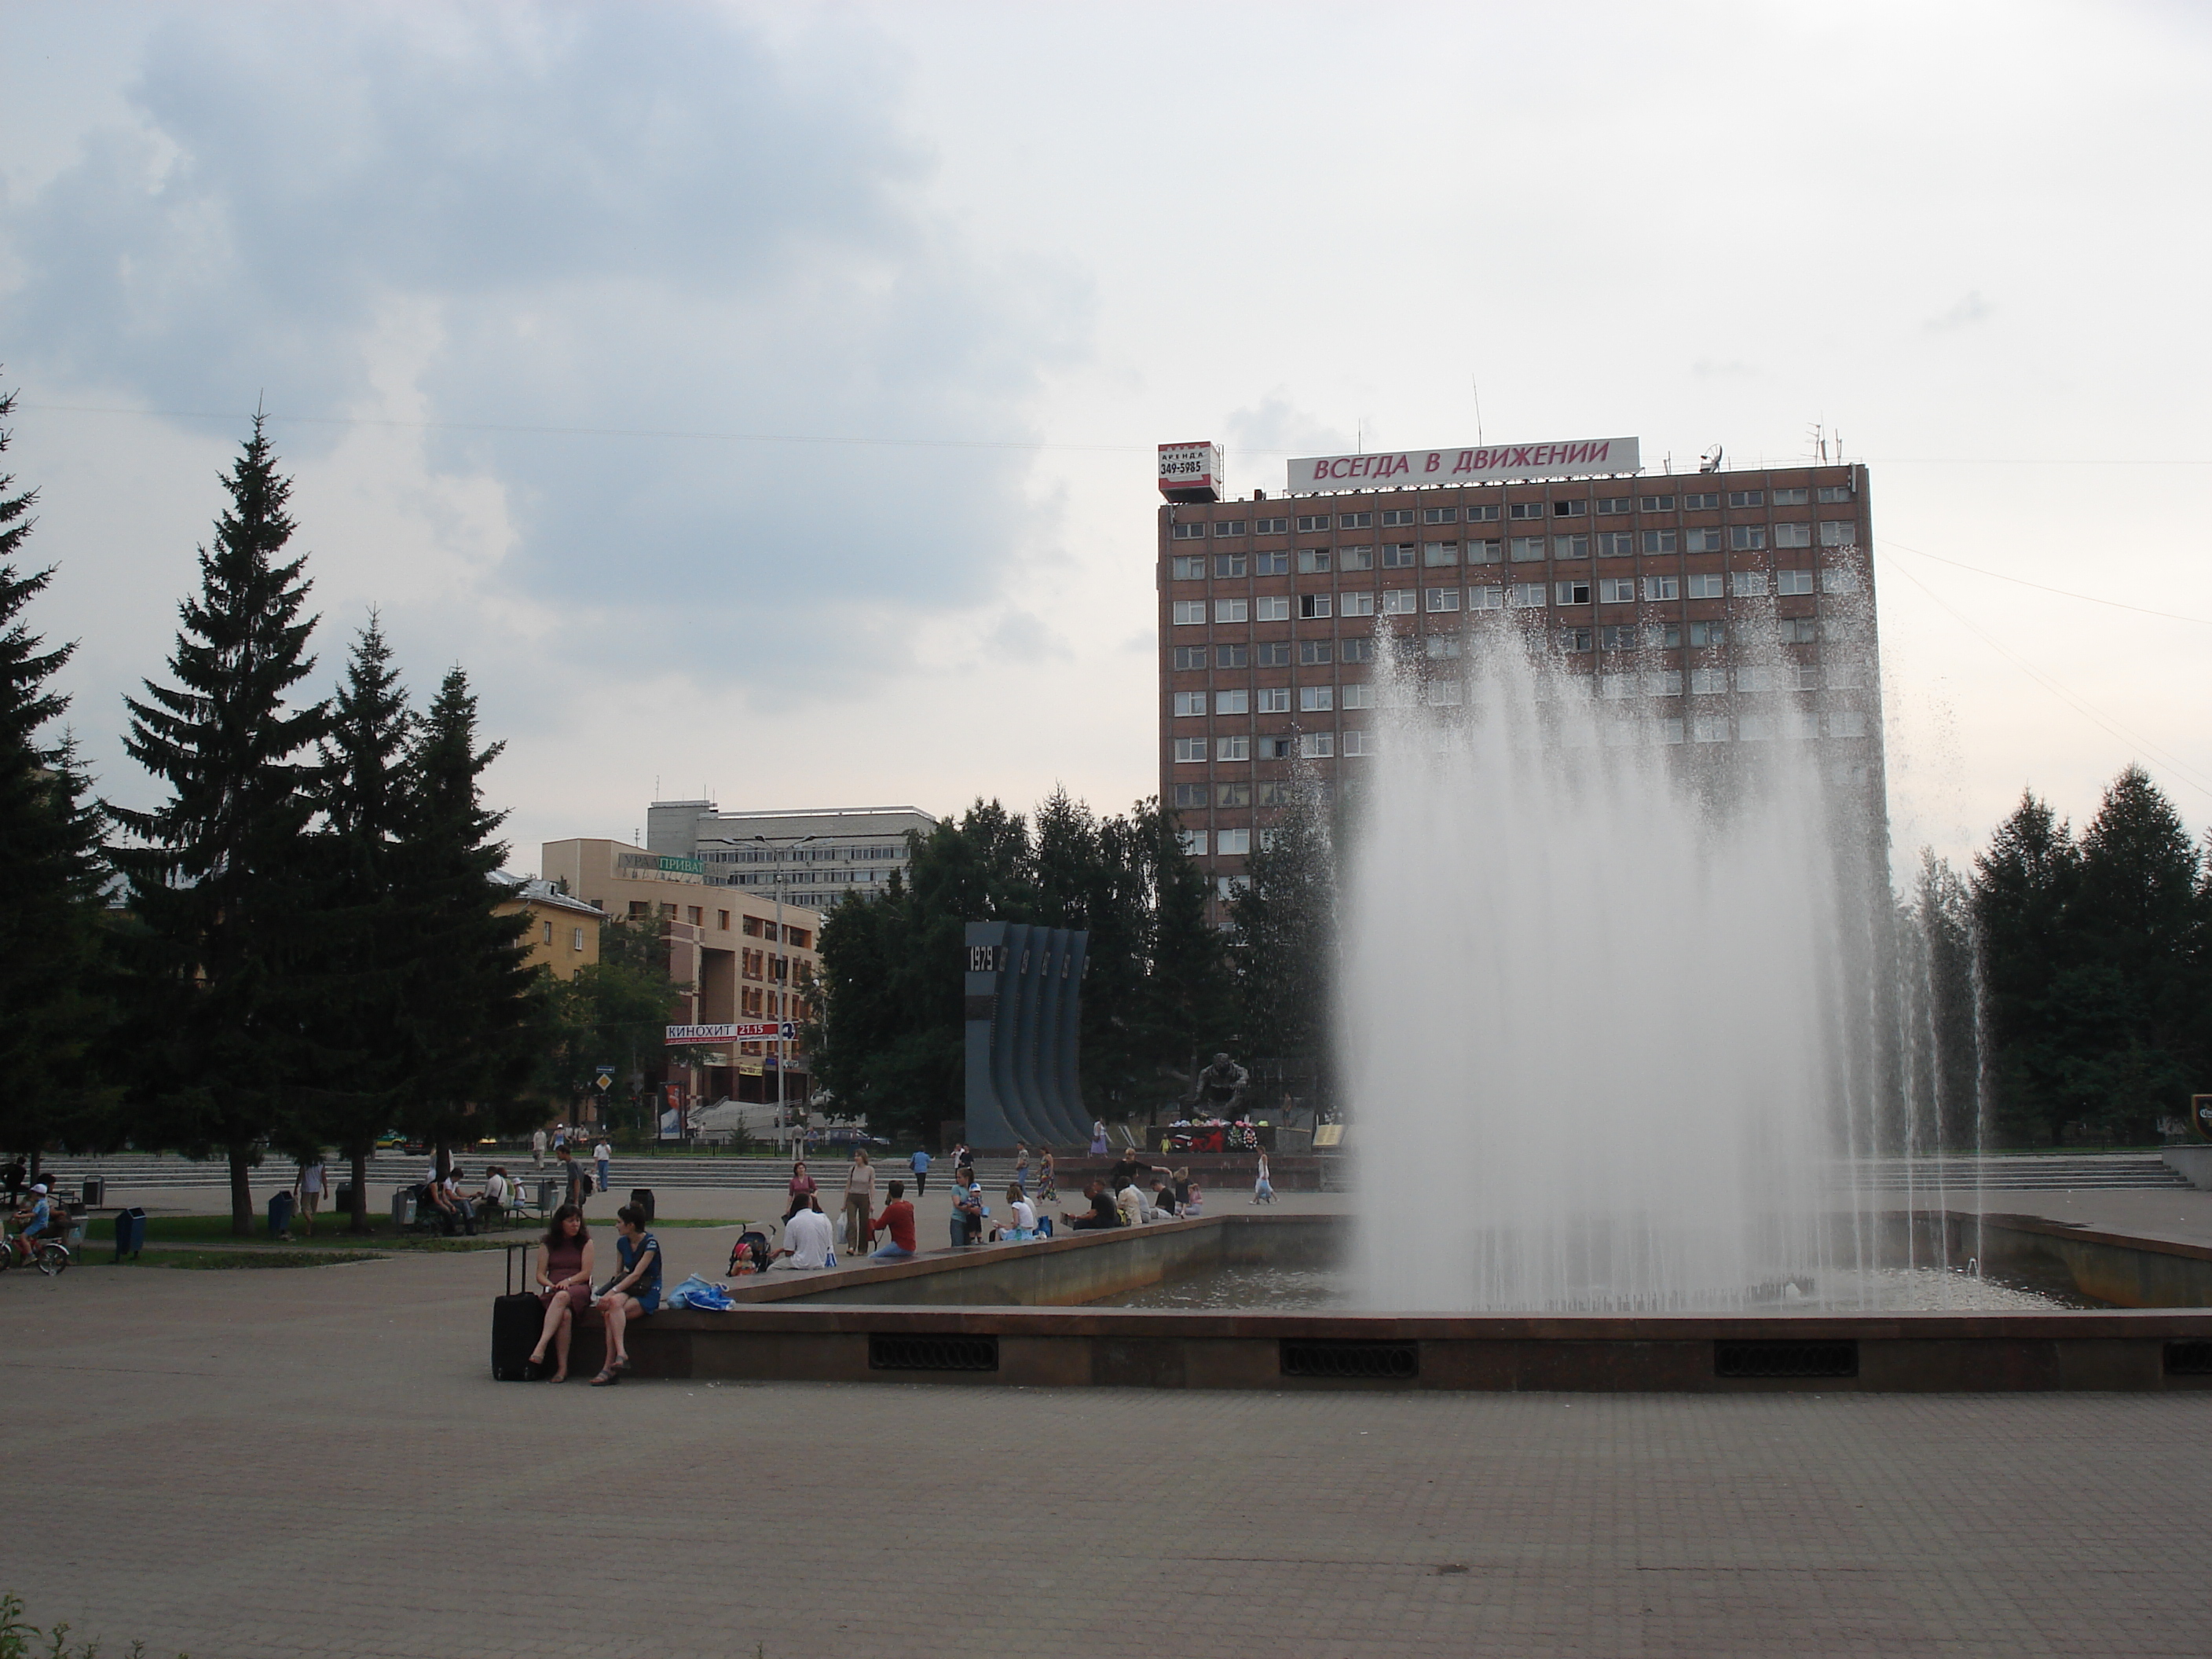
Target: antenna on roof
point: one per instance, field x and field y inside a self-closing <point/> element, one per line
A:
<point x="1472" y="382"/>
<point x="1710" y="460"/>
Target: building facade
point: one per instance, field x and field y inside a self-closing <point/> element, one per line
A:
<point x="743" y="957"/>
<point x="1680" y="590"/>
<point x="814" y="856"/>
<point x="563" y="934"/>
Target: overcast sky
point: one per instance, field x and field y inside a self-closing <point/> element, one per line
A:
<point x="762" y="400"/>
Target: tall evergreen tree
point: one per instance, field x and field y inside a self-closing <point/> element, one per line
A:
<point x="364" y="801"/>
<point x="49" y="843"/>
<point x="1190" y="1008"/>
<point x="2023" y="883"/>
<point x="1284" y="929"/>
<point x="476" y="1028"/>
<point x="223" y="877"/>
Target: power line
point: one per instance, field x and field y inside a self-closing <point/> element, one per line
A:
<point x="2064" y="592"/>
<point x="2079" y="705"/>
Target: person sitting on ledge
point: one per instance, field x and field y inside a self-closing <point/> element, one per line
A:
<point x="808" y="1238"/>
<point x="1103" y="1211"/>
<point x="632" y="1293"/>
<point x="1023" y="1226"/>
<point x="1131" y="1202"/>
<point x="897" y="1220"/>
<point x="1163" y="1204"/>
<point x="565" y="1283"/>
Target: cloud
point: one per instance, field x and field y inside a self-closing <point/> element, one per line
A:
<point x="1969" y="310"/>
<point x="619" y="224"/>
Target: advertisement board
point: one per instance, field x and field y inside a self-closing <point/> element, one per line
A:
<point x="1409" y="469"/>
<point x="754" y="1030"/>
<point x="1191" y="472"/>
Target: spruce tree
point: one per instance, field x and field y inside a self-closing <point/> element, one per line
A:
<point x="476" y="1028"/>
<point x="1284" y="929"/>
<point x="224" y="886"/>
<point x="1190" y="1010"/>
<point x="50" y="844"/>
<point x="365" y="805"/>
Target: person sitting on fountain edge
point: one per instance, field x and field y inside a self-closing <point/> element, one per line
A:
<point x="1104" y="1211"/>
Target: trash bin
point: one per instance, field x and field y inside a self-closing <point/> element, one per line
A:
<point x="548" y="1195"/>
<point x="95" y="1189"/>
<point x="344" y="1200"/>
<point x="402" y="1208"/>
<point x="280" y="1213"/>
<point x="642" y="1197"/>
<point x="130" y="1232"/>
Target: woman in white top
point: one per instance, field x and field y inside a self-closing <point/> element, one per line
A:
<point x="1023" y="1226"/>
<point x="309" y="1187"/>
<point x="859" y="1202"/>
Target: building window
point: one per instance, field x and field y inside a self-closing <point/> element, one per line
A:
<point x="1317" y="746"/>
<point x="1189" y="704"/>
<point x="1839" y="532"/>
<point x="1271" y="564"/>
<point x="1189" y="613"/>
<point x="1274" y="654"/>
<point x="1441" y="645"/>
<point x="1617" y="636"/>
<point x="1187" y="657"/>
<point x="1437" y="555"/>
<point x="1662" y="682"/>
<point x="1233" y="748"/>
<point x="1614" y="545"/>
<point x="1189" y="749"/>
<point x="1230" y="886"/>
<point x="1355" y="558"/>
<point x="1397" y="516"/>
<point x="1356" y="604"/>
<point x="1443" y="598"/>
<point x="1790" y="497"/>
<point x="1847" y="723"/>
<point x="1397" y="601"/>
<point x="1704" y="634"/>
<point x="1355" y="520"/>
<point x="1312" y="653"/>
<point x="576" y="939"/>
<point x="1525" y="510"/>
<point x="1190" y="794"/>
<point x="1571" y="547"/>
<point x="1805" y="677"/>
<point x="1755" y="679"/>
<point x="1189" y="570"/>
<point x="1526" y="595"/>
<point x="1570" y="509"/>
<point x="1616" y="589"/>
<point x="1659" y="589"/>
<point x="1793" y="535"/>
<point x="1230" y="527"/>
<point x="1232" y="656"/>
<point x="1793" y="582"/>
<point x="1830" y="494"/>
<point x="1613" y="503"/>
<point x="1273" y="607"/>
<point x="1709" y="728"/>
<point x="1708" y="682"/>
<point x="1485" y="552"/>
<point x="1615" y="687"/>
<point x="1701" y="541"/>
<point x="1747" y="538"/>
<point x="1312" y="606"/>
<point x="1360" y="696"/>
<point x="1486" y="598"/>
<point x="1574" y="639"/>
<point x="1528" y="548"/>
<point x="549" y="932"/>
<point x="1232" y="794"/>
<point x="1314" y="521"/>
<point x="1233" y="843"/>
<point x="1360" y="743"/>
<point x="1755" y="728"/>
<point x="1747" y="498"/>
<point x="1444" y="694"/>
<point x="1440" y="515"/>
<point x="752" y="927"/>
<point x="1194" y="843"/>
<point x="1399" y="556"/>
<point x="722" y="920"/>
<point x="1274" y="699"/>
<point x="1705" y="503"/>
<point x="1312" y="560"/>
<point x="1659" y="541"/>
<point x="1232" y="702"/>
<point x="1574" y="592"/>
<point x="1228" y="564"/>
<point x="1274" y="748"/>
<point x="1710" y="585"/>
<point x="1356" y="650"/>
<point x="1748" y="584"/>
<point x="1316" y="699"/>
<point x="1835" y="580"/>
<point x="1271" y="526"/>
<point x="639" y="909"/>
<point x="1483" y="513"/>
<point x="1187" y="532"/>
<point x="1797" y="630"/>
<point x="1655" y="504"/>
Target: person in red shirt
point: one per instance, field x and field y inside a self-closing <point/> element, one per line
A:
<point x="897" y="1220"/>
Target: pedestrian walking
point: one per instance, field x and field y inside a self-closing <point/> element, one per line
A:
<point x="538" y="1148"/>
<point x="1021" y="1166"/>
<point x="602" y="1155"/>
<point x="1048" y="1179"/>
<point x="307" y="1188"/>
<point x="920" y="1165"/>
<point x="578" y="1183"/>
<point x="1263" y="1190"/>
<point x="1098" y="1137"/>
<point x="859" y="1202"/>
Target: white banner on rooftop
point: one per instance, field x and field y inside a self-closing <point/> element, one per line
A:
<point x="1411" y="469"/>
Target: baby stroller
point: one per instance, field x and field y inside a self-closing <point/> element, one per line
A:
<point x="750" y="1254"/>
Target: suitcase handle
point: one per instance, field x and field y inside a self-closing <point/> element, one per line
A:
<point x="508" y="1278"/>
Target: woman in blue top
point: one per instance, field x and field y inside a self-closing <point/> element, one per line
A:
<point x="632" y="1293"/>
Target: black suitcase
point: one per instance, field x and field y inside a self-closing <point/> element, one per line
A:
<point x="516" y="1320"/>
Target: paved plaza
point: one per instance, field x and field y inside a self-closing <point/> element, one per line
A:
<point x="317" y="1461"/>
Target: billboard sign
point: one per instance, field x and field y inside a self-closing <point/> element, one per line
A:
<point x="752" y="1030"/>
<point x="1411" y="469"/>
<point x="1191" y="472"/>
<point x="659" y="866"/>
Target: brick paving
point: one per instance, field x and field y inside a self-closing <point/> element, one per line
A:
<point x="317" y="1462"/>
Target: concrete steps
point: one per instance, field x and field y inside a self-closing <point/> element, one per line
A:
<point x="2036" y="1172"/>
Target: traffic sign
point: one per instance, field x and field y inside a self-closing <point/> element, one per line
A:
<point x="603" y="1077"/>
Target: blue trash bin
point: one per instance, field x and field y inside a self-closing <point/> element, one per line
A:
<point x="130" y="1232"/>
<point x="280" y="1213"/>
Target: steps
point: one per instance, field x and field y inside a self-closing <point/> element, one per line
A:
<point x="2022" y="1173"/>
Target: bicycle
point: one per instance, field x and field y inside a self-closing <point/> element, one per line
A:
<point x="48" y="1254"/>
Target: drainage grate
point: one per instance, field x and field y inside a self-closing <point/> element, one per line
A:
<point x="2189" y="1359"/>
<point x="932" y="1353"/>
<point x="1395" y="1361"/>
<point x="1773" y="1359"/>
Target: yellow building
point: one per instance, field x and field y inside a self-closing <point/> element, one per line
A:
<point x="743" y="958"/>
<point x="564" y="931"/>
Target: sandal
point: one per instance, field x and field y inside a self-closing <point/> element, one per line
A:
<point x="607" y="1379"/>
<point x="622" y="1364"/>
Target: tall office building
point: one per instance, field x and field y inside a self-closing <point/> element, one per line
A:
<point x="815" y="855"/>
<point x="1734" y="608"/>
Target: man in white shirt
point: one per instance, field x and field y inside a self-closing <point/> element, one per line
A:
<point x="538" y="1149"/>
<point x="602" y="1155"/>
<point x="807" y="1237"/>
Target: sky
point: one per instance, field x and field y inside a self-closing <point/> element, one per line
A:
<point x="762" y="401"/>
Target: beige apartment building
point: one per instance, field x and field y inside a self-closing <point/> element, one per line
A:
<point x="743" y="958"/>
<point x="563" y="935"/>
